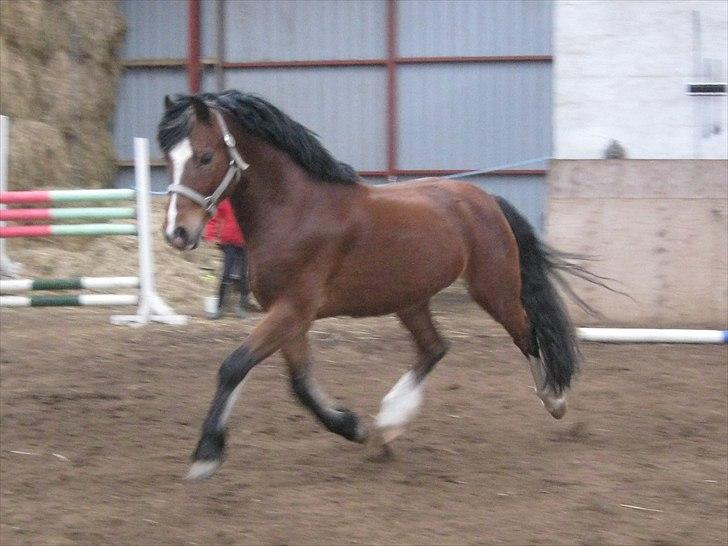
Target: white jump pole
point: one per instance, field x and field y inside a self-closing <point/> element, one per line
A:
<point x="151" y="306"/>
<point x="651" y="335"/>
<point x="7" y="267"/>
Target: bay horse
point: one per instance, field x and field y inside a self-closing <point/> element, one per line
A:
<point x="322" y="243"/>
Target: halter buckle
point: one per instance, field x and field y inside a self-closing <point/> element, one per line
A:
<point x="229" y="140"/>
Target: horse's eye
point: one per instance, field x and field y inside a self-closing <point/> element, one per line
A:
<point x="205" y="159"/>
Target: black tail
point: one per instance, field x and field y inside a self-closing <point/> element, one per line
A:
<point x="554" y="337"/>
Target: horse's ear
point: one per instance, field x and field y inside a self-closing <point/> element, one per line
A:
<point x="202" y="111"/>
<point x="170" y="100"/>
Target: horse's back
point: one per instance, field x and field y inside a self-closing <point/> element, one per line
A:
<point x="407" y="242"/>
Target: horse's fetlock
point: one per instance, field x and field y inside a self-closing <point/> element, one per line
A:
<point x="348" y="425"/>
<point x="211" y="446"/>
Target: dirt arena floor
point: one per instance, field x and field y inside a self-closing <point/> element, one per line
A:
<point x="98" y="423"/>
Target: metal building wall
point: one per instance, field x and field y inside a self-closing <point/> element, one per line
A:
<point x="396" y="88"/>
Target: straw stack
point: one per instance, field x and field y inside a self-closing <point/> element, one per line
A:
<point x="59" y="74"/>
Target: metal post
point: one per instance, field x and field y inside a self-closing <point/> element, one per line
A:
<point x="146" y="270"/>
<point x="7" y="267"/>
<point x="151" y="306"/>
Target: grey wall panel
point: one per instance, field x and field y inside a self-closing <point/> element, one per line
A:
<point x="154" y="29"/>
<point x="344" y="105"/>
<point x="526" y="193"/>
<point x="262" y="30"/>
<point x="208" y="28"/>
<point x="470" y="28"/>
<point x="470" y="116"/>
<point x="140" y="107"/>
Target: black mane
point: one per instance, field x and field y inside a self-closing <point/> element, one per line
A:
<point x="263" y="120"/>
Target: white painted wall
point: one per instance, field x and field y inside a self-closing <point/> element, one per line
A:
<point x="621" y="68"/>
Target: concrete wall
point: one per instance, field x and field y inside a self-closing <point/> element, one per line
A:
<point x="658" y="220"/>
<point x="660" y="228"/>
<point x="621" y="69"/>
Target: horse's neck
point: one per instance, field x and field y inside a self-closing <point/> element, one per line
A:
<point x="269" y="190"/>
<point x="275" y="193"/>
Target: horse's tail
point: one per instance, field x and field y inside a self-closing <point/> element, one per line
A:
<point x="553" y="336"/>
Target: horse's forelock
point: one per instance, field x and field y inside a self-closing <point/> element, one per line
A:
<point x="175" y="125"/>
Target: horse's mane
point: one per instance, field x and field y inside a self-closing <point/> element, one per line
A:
<point x="263" y="120"/>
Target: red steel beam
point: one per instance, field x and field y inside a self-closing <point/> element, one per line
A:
<point x="475" y="59"/>
<point x="386" y="62"/>
<point x="391" y="87"/>
<point x="305" y="64"/>
<point x="193" y="46"/>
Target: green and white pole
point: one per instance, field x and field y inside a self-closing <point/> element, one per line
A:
<point x="69" y="301"/>
<point x="77" y="283"/>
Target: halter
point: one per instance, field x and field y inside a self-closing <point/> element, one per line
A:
<point x="235" y="168"/>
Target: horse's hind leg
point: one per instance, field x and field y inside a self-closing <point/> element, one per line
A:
<point x="401" y="403"/>
<point x="339" y="420"/>
<point x="499" y="295"/>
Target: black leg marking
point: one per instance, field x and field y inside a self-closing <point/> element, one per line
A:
<point x="338" y="420"/>
<point x="428" y="361"/>
<point x="232" y="371"/>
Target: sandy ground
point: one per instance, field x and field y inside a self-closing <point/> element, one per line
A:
<point x="97" y="423"/>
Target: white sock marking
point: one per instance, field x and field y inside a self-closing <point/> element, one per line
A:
<point x="401" y="403"/>
<point x="538" y="372"/>
<point x="230" y="403"/>
<point x="180" y="155"/>
<point x="201" y="470"/>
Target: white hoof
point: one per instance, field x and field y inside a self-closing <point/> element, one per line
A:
<point x="555" y="405"/>
<point x="201" y="470"/>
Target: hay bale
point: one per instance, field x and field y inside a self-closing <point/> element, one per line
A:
<point x="60" y="68"/>
<point x="36" y="27"/>
<point x="70" y="91"/>
<point x="39" y="156"/>
<point x="93" y="157"/>
<point x="18" y="83"/>
<point x="99" y="26"/>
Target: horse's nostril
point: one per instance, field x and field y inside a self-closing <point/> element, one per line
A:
<point x="180" y="233"/>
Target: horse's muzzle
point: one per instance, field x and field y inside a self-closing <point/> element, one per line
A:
<point x="181" y="239"/>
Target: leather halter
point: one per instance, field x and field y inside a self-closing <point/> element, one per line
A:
<point x="235" y="168"/>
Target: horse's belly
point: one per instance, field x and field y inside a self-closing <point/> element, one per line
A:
<point x="393" y="274"/>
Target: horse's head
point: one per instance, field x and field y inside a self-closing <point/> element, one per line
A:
<point x="203" y="163"/>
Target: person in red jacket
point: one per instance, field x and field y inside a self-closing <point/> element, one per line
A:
<point x="223" y="230"/>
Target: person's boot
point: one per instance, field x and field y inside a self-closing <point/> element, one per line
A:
<point x="249" y="304"/>
<point x="220" y="301"/>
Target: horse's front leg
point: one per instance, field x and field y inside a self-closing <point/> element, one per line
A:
<point x="282" y="323"/>
<point x="339" y="420"/>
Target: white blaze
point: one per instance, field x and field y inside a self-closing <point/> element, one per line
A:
<point x="180" y="155"/>
<point x="401" y="403"/>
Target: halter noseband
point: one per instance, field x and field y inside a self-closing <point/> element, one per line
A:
<point x="236" y="166"/>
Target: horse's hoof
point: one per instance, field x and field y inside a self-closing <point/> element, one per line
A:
<point x="556" y="406"/>
<point x="378" y="450"/>
<point x="201" y="470"/>
<point x="351" y="427"/>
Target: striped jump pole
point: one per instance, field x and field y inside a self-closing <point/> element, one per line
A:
<point x="76" y="230"/>
<point x="90" y="213"/>
<point x="78" y="283"/>
<point x="69" y="301"/>
<point x="64" y="196"/>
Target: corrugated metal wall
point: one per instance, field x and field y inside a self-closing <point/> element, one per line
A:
<point x="449" y="114"/>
